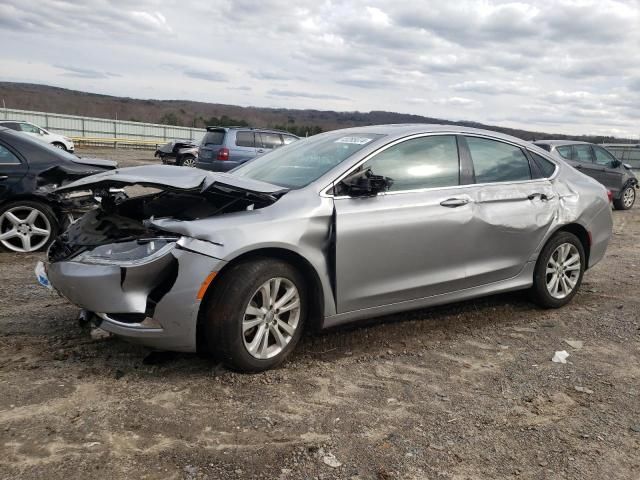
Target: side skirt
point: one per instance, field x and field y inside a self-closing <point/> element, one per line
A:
<point x="521" y="281"/>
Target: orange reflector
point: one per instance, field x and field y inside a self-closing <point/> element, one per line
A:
<point x="205" y="285"/>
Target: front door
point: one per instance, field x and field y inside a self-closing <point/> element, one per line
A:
<point x="612" y="172"/>
<point x="409" y="242"/>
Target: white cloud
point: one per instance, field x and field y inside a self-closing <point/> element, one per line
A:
<point x="524" y="63"/>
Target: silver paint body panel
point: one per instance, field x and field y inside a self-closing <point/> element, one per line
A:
<point x="394" y="251"/>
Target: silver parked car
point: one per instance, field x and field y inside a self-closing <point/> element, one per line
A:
<point x="341" y="226"/>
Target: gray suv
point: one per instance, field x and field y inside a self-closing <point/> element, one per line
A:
<point x="600" y="164"/>
<point x="224" y="148"/>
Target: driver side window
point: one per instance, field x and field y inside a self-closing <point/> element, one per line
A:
<point x="425" y="162"/>
<point x="27" y="127"/>
<point x="603" y="157"/>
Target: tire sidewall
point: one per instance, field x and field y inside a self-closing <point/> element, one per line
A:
<point x="543" y="297"/>
<point x="226" y="312"/>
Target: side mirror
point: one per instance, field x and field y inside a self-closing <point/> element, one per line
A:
<point x="365" y="184"/>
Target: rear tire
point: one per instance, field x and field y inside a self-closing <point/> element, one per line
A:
<point x="241" y="312"/>
<point x="627" y="198"/>
<point x="559" y="271"/>
<point x="188" y="161"/>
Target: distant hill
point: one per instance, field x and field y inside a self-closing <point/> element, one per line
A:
<point x="45" y="98"/>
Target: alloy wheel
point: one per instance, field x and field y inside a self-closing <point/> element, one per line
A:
<point x="24" y="229"/>
<point x="271" y="318"/>
<point x="563" y="270"/>
<point x="628" y="197"/>
<point x="189" y="162"/>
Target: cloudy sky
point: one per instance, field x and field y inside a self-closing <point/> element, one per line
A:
<point x="568" y="66"/>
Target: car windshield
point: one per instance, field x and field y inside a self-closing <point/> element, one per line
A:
<point x="300" y="163"/>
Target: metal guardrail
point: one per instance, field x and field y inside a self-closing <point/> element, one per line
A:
<point x="102" y="131"/>
<point x="626" y="152"/>
<point x="117" y="142"/>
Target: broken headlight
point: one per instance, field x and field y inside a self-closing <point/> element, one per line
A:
<point x="127" y="254"/>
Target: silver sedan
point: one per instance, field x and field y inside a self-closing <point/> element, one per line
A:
<point x="338" y="227"/>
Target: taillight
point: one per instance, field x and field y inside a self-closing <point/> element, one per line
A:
<point x="610" y="195"/>
<point x="223" y="154"/>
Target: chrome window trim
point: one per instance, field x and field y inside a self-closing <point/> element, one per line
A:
<point x="324" y="192"/>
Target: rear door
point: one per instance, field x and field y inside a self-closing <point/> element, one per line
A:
<point x="12" y="170"/>
<point x="512" y="211"/>
<point x="212" y="142"/>
<point x="612" y="171"/>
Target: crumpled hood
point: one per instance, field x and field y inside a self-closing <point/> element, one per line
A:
<point x="96" y="162"/>
<point x="167" y="177"/>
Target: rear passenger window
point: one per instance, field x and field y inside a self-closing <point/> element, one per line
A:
<point x="565" y="152"/>
<point x="495" y="161"/>
<point x="270" y="140"/>
<point x="6" y="157"/>
<point x="245" y="139"/>
<point x="582" y="153"/>
<point x="11" y="125"/>
<point x="546" y="167"/>
<point x="425" y="162"/>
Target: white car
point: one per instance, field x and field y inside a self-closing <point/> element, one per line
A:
<point x="59" y="141"/>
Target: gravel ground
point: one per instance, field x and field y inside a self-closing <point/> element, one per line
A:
<point x="464" y="391"/>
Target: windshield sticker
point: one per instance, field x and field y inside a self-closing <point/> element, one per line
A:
<point x="354" y="140"/>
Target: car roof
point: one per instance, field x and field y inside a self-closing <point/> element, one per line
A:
<point x="558" y="143"/>
<point x="269" y="130"/>
<point x="400" y="130"/>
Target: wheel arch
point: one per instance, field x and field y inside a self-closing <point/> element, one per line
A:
<point x="583" y="235"/>
<point x="311" y="276"/>
<point x="33" y="198"/>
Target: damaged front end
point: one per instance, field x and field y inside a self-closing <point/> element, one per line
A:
<point x="139" y="280"/>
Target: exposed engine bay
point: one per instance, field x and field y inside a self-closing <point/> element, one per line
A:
<point x="120" y="218"/>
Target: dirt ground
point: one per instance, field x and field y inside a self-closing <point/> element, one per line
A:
<point x="463" y="391"/>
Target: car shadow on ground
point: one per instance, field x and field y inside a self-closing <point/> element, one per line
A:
<point x="374" y="336"/>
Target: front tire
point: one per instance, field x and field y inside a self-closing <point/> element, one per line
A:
<point x="60" y="146"/>
<point x="559" y="271"/>
<point x="256" y="315"/>
<point x="27" y="226"/>
<point x="627" y="198"/>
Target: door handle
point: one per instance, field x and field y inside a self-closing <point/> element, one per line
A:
<point x="454" y="202"/>
<point x="3" y="177"/>
<point x="541" y="195"/>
